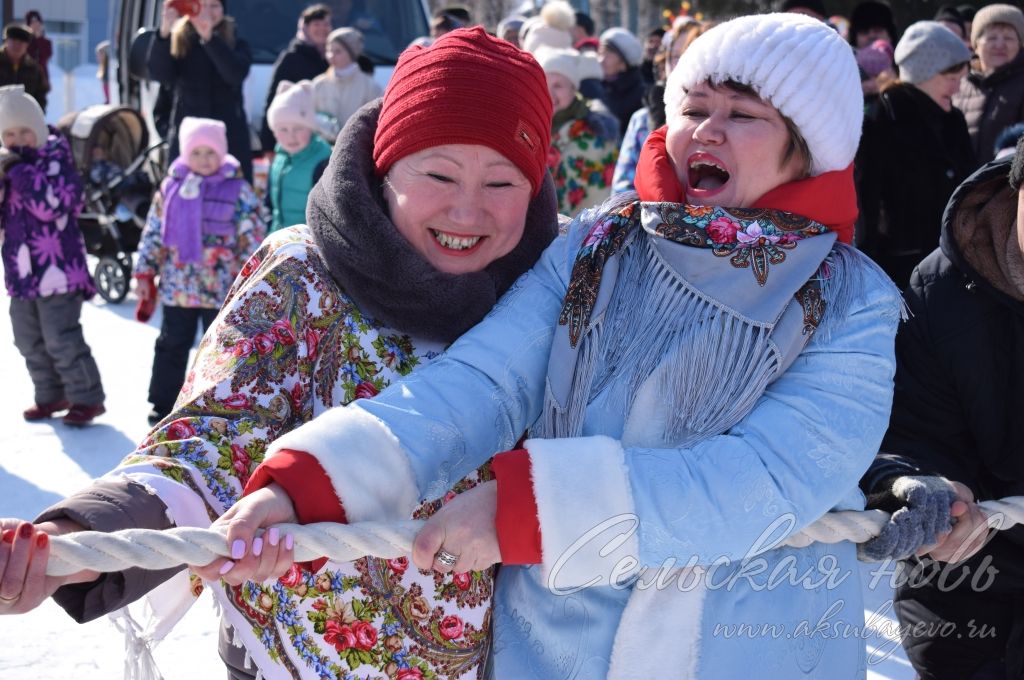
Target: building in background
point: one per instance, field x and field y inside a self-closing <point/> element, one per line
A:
<point x="74" y="26"/>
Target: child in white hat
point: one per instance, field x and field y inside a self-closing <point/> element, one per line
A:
<point x="205" y="222"/>
<point x="584" y="134"/>
<point x="44" y="261"/>
<point x="345" y="87"/>
<point x="300" y="154"/>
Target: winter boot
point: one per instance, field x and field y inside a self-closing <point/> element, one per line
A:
<point x="44" y="411"/>
<point x="80" y="415"/>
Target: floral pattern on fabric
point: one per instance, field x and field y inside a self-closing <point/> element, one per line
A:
<point x="200" y="284"/>
<point x="754" y="238"/>
<point x="581" y="163"/>
<point x="40" y="198"/>
<point x="287" y="345"/>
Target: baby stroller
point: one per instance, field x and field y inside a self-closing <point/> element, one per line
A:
<point x="110" y="147"/>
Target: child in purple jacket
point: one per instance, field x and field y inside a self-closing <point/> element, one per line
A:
<point x="44" y="261"/>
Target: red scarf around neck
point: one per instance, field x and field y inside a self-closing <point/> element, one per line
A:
<point x="828" y="199"/>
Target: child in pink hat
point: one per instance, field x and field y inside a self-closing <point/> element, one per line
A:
<point x="205" y="222"/>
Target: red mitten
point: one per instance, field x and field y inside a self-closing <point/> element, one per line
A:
<point x="145" y="288"/>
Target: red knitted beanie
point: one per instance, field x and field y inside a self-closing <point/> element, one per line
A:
<point x="467" y="88"/>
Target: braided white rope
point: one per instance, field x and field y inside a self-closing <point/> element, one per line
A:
<point x="151" y="549"/>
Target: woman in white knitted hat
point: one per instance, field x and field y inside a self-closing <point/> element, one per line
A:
<point x="704" y="370"/>
<point x="915" y="151"/>
<point x="992" y="97"/>
<point x="584" y="134"/>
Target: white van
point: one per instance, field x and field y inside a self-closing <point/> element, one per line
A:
<point x="268" y="26"/>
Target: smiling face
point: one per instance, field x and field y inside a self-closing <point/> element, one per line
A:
<point x="19" y="136"/>
<point x="292" y="137"/>
<point x="317" y="31"/>
<point x="729" y="147"/>
<point x="203" y="160"/>
<point x="998" y="44"/>
<point x="942" y="86"/>
<point x="461" y="206"/>
<point x="561" y="90"/>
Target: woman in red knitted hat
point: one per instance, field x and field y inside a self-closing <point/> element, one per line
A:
<point x="435" y="200"/>
<point x="705" y="368"/>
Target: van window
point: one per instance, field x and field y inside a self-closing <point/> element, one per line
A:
<point x="387" y="25"/>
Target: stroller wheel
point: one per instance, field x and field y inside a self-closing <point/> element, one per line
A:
<point x="112" y="276"/>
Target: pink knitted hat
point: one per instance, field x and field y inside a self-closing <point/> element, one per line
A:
<point x="195" y="132"/>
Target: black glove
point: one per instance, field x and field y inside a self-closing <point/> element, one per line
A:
<point x="922" y="512"/>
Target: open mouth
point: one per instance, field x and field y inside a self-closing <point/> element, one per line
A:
<point x="456" y="242"/>
<point x="706" y="174"/>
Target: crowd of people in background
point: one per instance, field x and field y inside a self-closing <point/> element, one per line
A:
<point x="935" y="155"/>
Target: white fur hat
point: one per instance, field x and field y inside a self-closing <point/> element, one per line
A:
<point x="293" y="103"/>
<point x="574" y="65"/>
<point x="20" y="109"/>
<point x="798" y="64"/>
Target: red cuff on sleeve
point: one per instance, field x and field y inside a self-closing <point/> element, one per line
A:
<point x="307" y="484"/>
<point x="516" y="520"/>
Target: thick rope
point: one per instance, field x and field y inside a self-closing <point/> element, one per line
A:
<point x="152" y="549"/>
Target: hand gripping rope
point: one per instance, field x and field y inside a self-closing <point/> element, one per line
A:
<point x="151" y="549"/>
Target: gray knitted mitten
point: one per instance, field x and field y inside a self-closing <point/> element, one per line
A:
<point x="923" y="516"/>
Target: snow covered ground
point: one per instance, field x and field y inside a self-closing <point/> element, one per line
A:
<point x="40" y="463"/>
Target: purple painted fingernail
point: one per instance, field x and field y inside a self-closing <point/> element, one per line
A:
<point x="238" y="549"/>
<point x="273" y="536"/>
<point x="288" y="542"/>
<point x="257" y="546"/>
<point x="226" y="567"/>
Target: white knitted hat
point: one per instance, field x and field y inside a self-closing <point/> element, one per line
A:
<point x="293" y="103"/>
<point x="574" y="65"/>
<point x="796" y="63"/>
<point x="20" y="109"/>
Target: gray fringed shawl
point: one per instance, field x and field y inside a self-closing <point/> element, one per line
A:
<point x="713" y="304"/>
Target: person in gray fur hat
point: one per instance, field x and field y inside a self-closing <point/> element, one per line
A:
<point x="621" y="53"/>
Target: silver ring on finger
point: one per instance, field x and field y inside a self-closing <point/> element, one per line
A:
<point x="446" y="558"/>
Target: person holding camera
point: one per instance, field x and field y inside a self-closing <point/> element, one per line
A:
<point x="199" y="58"/>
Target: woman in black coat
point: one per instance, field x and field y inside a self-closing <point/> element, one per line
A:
<point x="914" y="152"/>
<point x="203" y="63"/>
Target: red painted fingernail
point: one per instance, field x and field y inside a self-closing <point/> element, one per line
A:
<point x="8" y="536"/>
<point x="25" y="531"/>
<point x="42" y="540"/>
